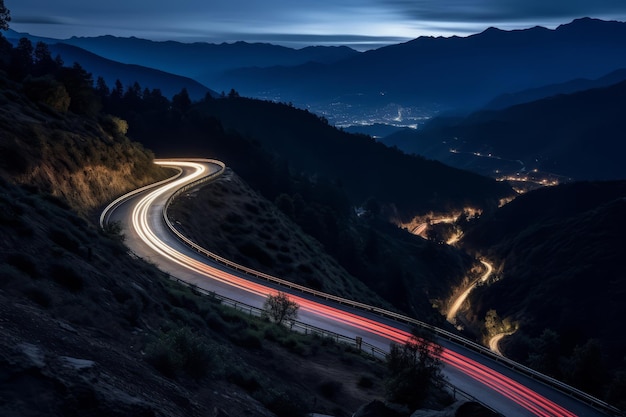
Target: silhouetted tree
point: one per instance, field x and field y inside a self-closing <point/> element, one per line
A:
<point x="22" y="59"/>
<point x="181" y="101"/>
<point x="102" y="88"/>
<point x="545" y="352"/>
<point x="5" y="17"/>
<point x="43" y="62"/>
<point x="79" y="85"/>
<point x="280" y="308"/>
<point x="5" y="51"/>
<point x="414" y="368"/>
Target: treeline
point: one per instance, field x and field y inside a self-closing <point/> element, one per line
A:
<point x="54" y="135"/>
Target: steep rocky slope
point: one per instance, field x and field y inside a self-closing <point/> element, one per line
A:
<point x="87" y="161"/>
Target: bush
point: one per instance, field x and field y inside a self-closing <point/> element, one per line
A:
<point x="414" y="369"/>
<point x="180" y="350"/>
<point x="114" y="230"/>
<point x="48" y="91"/>
<point x="247" y="338"/>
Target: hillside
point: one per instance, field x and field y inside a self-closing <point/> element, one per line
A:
<point x="86" y="160"/>
<point x="296" y="141"/>
<point x="361" y="259"/>
<point x="573" y="135"/>
<point x="128" y="74"/>
<point x="89" y="330"/>
<point x="562" y="244"/>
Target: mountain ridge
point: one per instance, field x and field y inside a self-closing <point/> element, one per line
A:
<point x="457" y="71"/>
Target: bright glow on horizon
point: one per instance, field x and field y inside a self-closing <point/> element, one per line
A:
<point x="360" y="23"/>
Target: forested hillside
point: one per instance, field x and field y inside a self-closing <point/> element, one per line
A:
<point x="88" y="329"/>
<point x="265" y="141"/>
<point x="54" y="136"/>
<point x="561" y="276"/>
<point x="321" y="178"/>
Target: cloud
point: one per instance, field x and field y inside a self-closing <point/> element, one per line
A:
<point x="487" y="11"/>
<point x="41" y="20"/>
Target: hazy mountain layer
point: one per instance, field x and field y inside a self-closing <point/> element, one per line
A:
<point x="575" y="135"/>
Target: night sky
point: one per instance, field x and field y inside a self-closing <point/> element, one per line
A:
<point x="362" y="24"/>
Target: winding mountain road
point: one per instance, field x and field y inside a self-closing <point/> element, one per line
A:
<point x="493" y="381"/>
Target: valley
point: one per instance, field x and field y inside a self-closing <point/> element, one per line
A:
<point x="390" y="208"/>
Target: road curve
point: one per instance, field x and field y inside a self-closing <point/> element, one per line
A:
<point x="454" y="309"/>
<point x="147" y="236"/>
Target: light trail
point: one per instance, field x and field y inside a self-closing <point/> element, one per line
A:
<point x="454" y="309"/>
<point x="499" y="383"/>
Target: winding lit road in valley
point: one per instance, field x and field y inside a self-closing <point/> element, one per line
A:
<point x="454" y="309"/>
<point x="141" y="213"/>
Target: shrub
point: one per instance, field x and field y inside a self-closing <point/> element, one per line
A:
<point x="178" y="350"/>
<point x="48" y="91"/>
<point x="114" y="230"/>
<point x="247" y="338"/>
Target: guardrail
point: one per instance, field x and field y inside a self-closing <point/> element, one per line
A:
<point x="567" y="389"/>
<point x="308" y="329"/>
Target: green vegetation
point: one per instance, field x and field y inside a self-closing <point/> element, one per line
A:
<point x="54" y="136"/>
<point x="414" y="371"/>
<point x="280" y="308"/>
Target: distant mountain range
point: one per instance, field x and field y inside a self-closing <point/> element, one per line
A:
<point x="452" y="72"/>
<point x="204" y="62"/>
<point x="151" y="78"/>
<point x="440" y="72"/>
